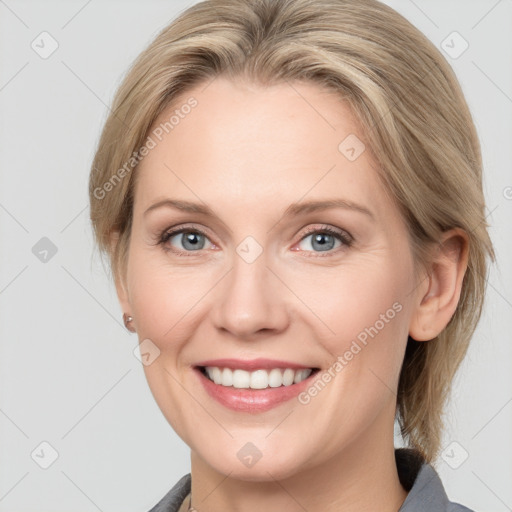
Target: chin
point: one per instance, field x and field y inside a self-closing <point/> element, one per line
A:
<point x="244" y="461"/>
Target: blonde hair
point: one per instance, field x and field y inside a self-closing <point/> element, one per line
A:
<point x="410" y="106"/>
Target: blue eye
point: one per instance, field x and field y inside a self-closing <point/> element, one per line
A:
<point x="321" y="241"/>
<point x="194" y="240"/>
<point x="191" y="239"/>
<point x="324" y="239"/>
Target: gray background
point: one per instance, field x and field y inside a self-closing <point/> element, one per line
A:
<point x="68" y="374"/>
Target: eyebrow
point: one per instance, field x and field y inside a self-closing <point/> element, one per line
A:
<point x="292" y="210"/>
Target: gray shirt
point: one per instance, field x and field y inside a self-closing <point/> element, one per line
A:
<point x="426" y="492"/>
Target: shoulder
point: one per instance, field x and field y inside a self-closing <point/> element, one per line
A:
<point x="456" y="507"/>
<point x="426" y="491"/>
<point x="172" y="501"/>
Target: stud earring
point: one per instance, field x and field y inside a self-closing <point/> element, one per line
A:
<point x="127" y="319"/>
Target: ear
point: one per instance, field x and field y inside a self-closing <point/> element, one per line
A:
<point x="440" y="293"/>
<point x="120" y="284"/>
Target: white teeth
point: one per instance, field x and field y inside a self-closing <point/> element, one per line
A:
<point x="241" y="379"/>
<point x="288" y="376"/>
<point x="227" y="377"/>
<point x="300" y="375"/>
<point x="259" y="379"/>
<point x="275" y="378"/>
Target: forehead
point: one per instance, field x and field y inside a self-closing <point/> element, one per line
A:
<point x="248" y="146"/>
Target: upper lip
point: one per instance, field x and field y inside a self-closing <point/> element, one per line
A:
<point x="252" y="364"/>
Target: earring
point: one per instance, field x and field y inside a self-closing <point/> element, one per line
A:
<point x="127" y="319"/>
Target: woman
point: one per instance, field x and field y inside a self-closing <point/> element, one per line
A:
<point x="289" y="194"/>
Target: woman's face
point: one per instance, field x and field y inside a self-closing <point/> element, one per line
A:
<point x="259" y="277"/>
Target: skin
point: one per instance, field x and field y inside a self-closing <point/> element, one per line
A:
<point x="248" y="152"/>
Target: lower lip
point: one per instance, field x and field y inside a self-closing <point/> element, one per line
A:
<point x="252" y="400"/>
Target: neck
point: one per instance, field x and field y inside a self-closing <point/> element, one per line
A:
<point x="363" y="476"/>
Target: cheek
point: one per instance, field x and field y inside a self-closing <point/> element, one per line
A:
<point x="165" y="303"/>
<point x="368" y="315"/>
<point x="165" y="299"/>
<point x="351" y="299"/>
<point x="367" y="312"/>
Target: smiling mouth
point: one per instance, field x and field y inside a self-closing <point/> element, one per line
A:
<point x="257" y="379"/>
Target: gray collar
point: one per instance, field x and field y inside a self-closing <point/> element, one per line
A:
<point x="426" y="492"/>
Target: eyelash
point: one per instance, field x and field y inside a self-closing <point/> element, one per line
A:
<point x="344" y="237"/>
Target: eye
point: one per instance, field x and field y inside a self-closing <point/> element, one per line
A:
<point x="191" y="240"/>
<point x="187" y="240"/>
<point x="324" y="239"/>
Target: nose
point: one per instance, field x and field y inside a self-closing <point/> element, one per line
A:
<point x="252" y="301"/>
